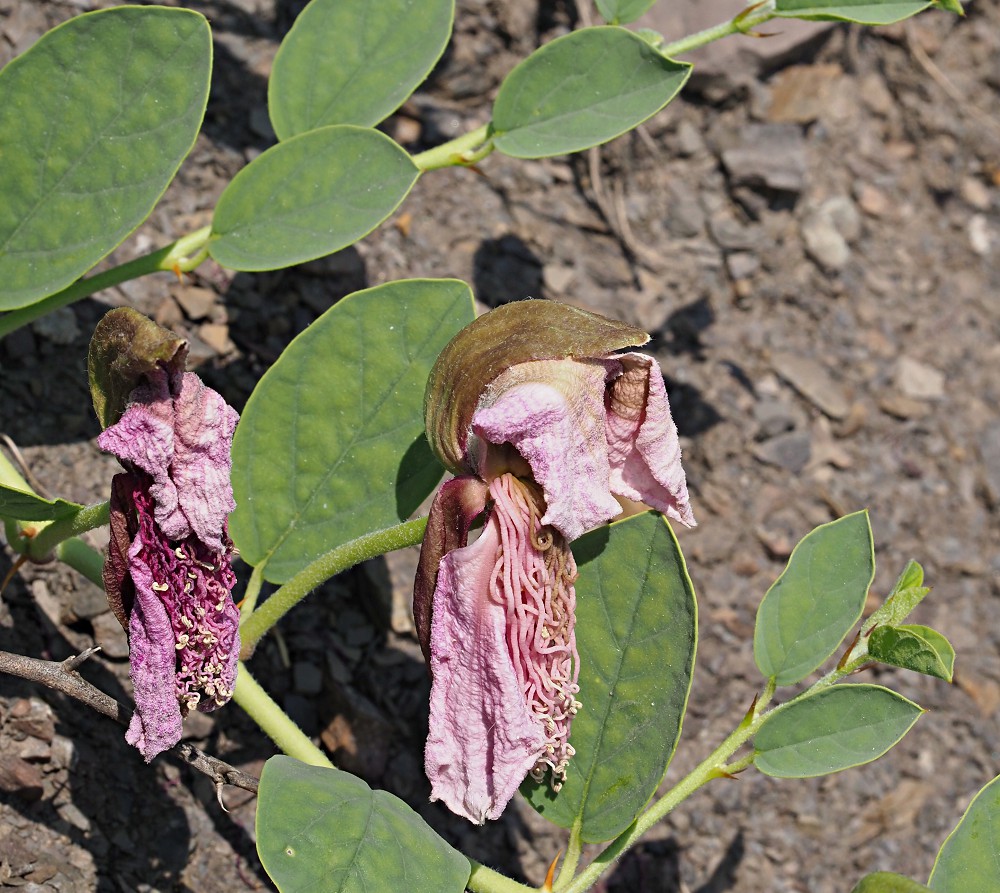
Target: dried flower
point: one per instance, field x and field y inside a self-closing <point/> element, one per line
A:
<point x="550" y="442"/>
<point x="168" y="574"/>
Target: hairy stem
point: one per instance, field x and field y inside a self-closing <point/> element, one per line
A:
<point x="84" y="559"/>
<point x="322" y="569"/>
<point x="572" y="858"/>
<point x="466" y="149"/>
<point x="486" y="880"/>
<point x="48" y="537"/>
<point x="184" y="255"/>
<point x="743" y="23"/>
<point x="274" y="722"/>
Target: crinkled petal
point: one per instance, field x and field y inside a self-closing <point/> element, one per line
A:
<point x="182" y="439"/>
<point x="643" y="448"/>
<point x="456" y="505"/>
<point x="483" y="739"/>
<point x="156" y="723"/>
<point x="552" y="412"/>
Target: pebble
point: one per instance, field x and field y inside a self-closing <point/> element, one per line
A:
<point x="770" y="156"/>
<point x="989" y="450"/>
<point x="685" y="218"/>
<point x="872" y="200"/>
<point x="33" y="717"/>
<point x="688" y="141"/>
<point x="307" y="678"/>
<point x="981" y="235"/>
<point x="801" y="93"/>
<point x="824" y="244"/>
<point x="58" y="326"/>
<point x="742" y="264"/>
<point x="74" y="816"/>
<point x="918" y="381"/>
<point x="557" y="278"/>
<point x="20" y="778"/>
<point x="775" y="417"/>
<point x="88" y="601"/>
<point x="197" y="303"/>
<point x="813" y="382"/>
<point x="108" y="633"/>
<point x="216" y="336"/>
<point x="790" y="451"/>
<point x="976" y="193"/>
<point x="901" y="407"/>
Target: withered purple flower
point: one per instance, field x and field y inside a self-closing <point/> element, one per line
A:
<point x="168" y="574"/>
<point x="546" y="427"/>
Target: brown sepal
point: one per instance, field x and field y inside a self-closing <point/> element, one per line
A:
<point x="126" y="346"/>
<point x="457" y="504"/>
<point x="511" y="334"/>
<point x="117" y="581"/>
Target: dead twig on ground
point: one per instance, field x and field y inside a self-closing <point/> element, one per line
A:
<point x="64" y="678"/>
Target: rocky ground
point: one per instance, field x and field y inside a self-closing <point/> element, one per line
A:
<point x="811" y="233"/>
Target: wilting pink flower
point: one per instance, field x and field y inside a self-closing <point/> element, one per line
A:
<point x="550" y="447"/>
<point x="168" y="573"/>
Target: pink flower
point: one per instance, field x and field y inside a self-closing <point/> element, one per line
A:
<point x="168" y="573"/>
<point x="550" y="445"/>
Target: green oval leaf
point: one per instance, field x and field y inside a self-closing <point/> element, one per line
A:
<point x="309" y="196"/>
<point x="834" y="729"/>
<point x="24" y="506"/>
<point x="817" y="599"/>
<point x="887" y="882"/>
<point x="621" y="12"/>
<point x="323" y="829"/>
<point x="912" y="647"/>
<point x="354" y="61"/>
<point x="636" y="629"/>
<point x="330" y="445"/>
<point x="968" y="859"/>
<point x="866" y="12"/>
<point x="580" y="90"/>
<point x="95" y="119"/>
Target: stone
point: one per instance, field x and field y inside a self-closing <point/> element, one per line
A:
<point x="872" y="200"/>
<point x="58" y="326"/>
<point x="901" y="407"/>
<point x="197" y="303"/>
<point x="982" y="237"/>
<point x="742" y="264"/>
<point x="88" y="601"/>
<point x="33" y="717"/>
<point x="989" y="451"/>
<point x="976" y="193"/>
<point x="769" y="157"/>
<point x="216" y="336"/>
<point x="844" y="215"/>
<point x="918" y="380"/>
<point x="824" y="244"/>
<point x="557" y="278"/>
<point x="20" y="778"/>
<point x="307" y="678"/>
<point x="790" y="451"/>
<point x="813" y="382"/>
<point x="775" y="417"/>
<point x="688" y="141"/>
<point x="108" y="633"/>
<point x="801" y="93"/>
<point x="685" y="218"/>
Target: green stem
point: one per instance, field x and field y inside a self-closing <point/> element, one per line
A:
<point x="486" y="880"/>
<point x="275" y="722"/>
<point x="185" y="254"/>
<point x="467" y="149"/>
<point x="53" y="534"/>
<point x="741" y="24"/>
<point x="704" y="772"/>
<point x="82" y="558"/>
<point x="252" y="592"/>
<point x="573" y="850"/>
<point x="319" y="571"/>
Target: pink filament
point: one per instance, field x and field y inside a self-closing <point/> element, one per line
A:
<point x="533" y="580"/>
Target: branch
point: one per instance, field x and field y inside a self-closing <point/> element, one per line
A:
<point x="64" y="678"/>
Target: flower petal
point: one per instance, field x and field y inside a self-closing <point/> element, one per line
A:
<point x="156" y="723"/>
<point x="181" y="437"/>
<point x="643" y="447"/>
<point x="483" y="739"/>
<point x="456" y="505"/>
<point x="552" y="412"/>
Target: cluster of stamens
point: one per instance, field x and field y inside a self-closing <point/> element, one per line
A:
<point x="194" y="584"/>
<point x="534" y="574"/>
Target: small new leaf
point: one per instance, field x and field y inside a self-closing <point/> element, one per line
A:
<point x="908" y="592"/>
<point x="916" y="648"/>
<point x="125" y="346"/>
<point x="887" y="882"/>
